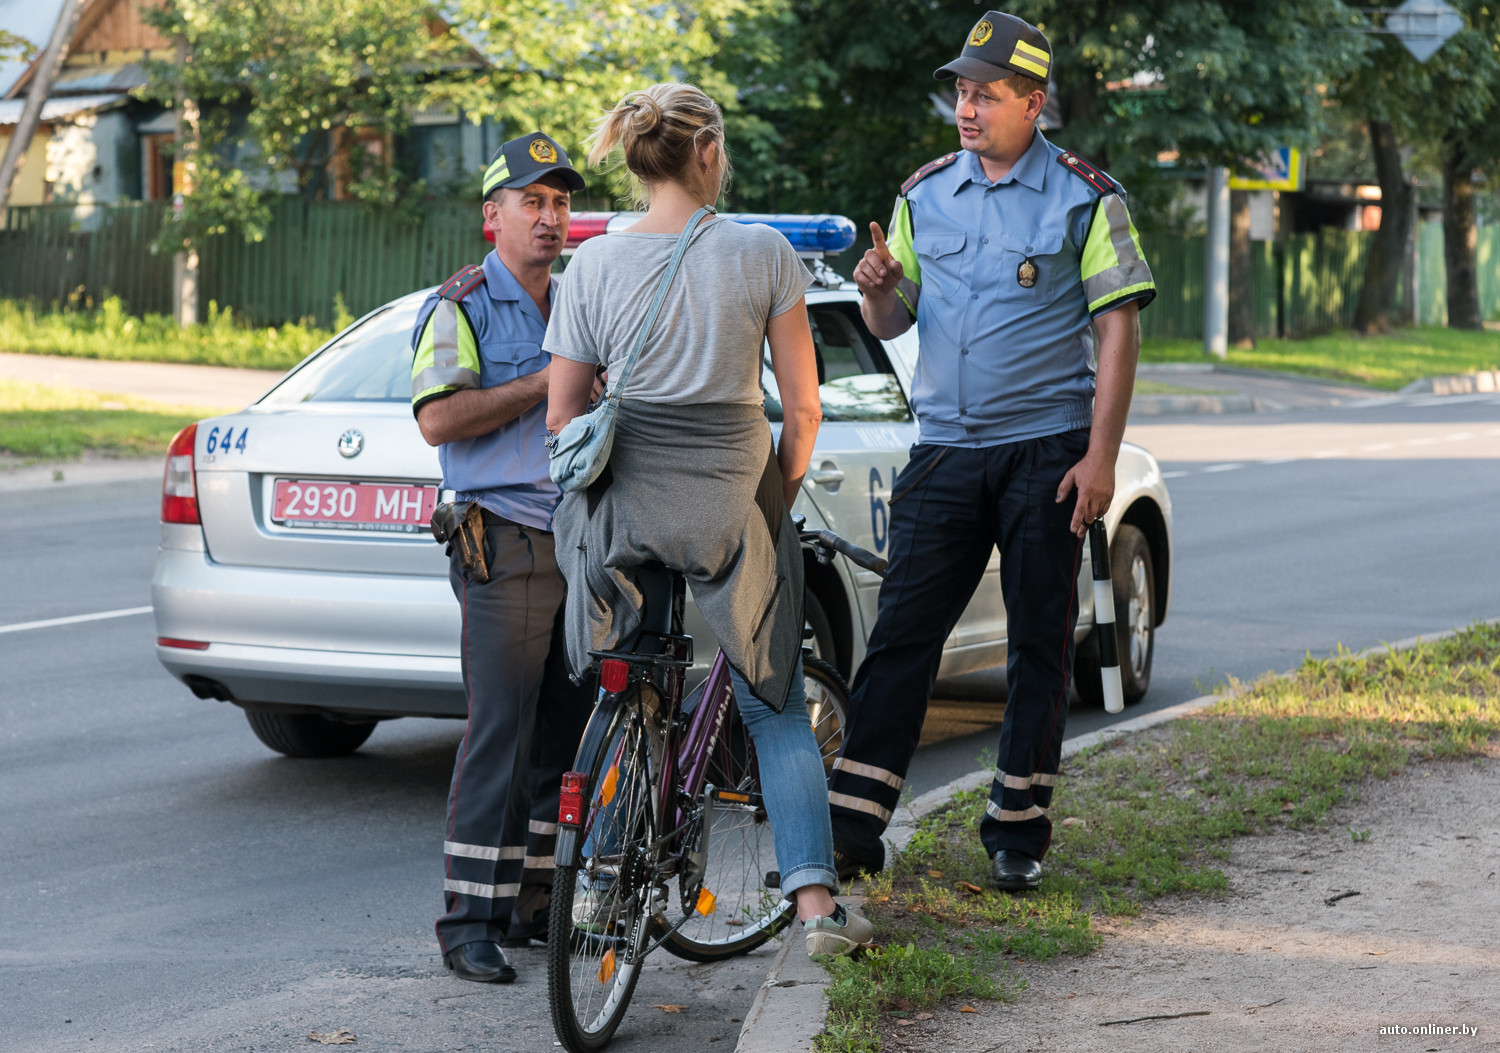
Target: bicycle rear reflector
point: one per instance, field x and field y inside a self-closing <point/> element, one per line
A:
<point x="613" y="675"/>
<point x="570" y="803"/>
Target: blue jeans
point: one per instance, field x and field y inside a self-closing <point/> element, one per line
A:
<point x="793" y="786"/>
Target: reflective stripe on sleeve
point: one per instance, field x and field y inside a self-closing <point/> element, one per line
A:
<point x="1113" y="269"/>
<point x="899" y="241"/>
<point x="869" y="771"/>
<point x="447" y="356"/>
<point x="536" y="826"/>
<point x="483" y="891"/>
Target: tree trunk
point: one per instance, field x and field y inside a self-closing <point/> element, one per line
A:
<point x="1241" y="296"/>
<point x="1460" y="237"/>
<point x="1376" y="311"/>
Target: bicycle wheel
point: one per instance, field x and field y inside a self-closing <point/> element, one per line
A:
<point x="604" y="908"/>
<point x="739" y="853"/>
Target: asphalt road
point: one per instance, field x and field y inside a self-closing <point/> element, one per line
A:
<point x="168" y="883"/>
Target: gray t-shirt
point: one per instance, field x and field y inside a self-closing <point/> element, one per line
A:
<point x="705" y="346"/>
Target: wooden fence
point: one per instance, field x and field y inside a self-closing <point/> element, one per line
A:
<point x="315" y="252"/>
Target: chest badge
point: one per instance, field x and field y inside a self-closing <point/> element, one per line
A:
<point x="1026" y="274"/>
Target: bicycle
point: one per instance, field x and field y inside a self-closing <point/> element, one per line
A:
<point x="663" y="839"/>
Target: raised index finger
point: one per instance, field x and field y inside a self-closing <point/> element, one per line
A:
<point x="879" y="236"/>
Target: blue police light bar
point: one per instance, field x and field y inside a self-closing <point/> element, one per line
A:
<point x="814" y="234"/>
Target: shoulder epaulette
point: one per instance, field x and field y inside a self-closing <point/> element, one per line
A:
<point x="1094" y="177"/>
<point x="465" y="281"/>
<point x="927" y="170"/>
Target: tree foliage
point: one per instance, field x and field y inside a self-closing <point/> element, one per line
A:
<point x="1213" y="82"/>
<point x="13" y="47"/>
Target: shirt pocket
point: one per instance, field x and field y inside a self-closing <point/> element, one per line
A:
<point x="1047" y="254"/>
<point x="941" y="255"/>
<point x="505" y="360"/>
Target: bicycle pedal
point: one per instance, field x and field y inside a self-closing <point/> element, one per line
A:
<point x="773" y="879"/>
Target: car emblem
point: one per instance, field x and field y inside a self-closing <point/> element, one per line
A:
<point x="350" y="443"/>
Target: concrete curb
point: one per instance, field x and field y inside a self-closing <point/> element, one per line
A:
<point x="1168" y="405"/>
<point x="52" y="475"/>
<point x="1456" y="384"/>
<point x="791" y="1008"/>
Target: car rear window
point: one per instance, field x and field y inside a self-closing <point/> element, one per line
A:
<point x="369" y="363"/>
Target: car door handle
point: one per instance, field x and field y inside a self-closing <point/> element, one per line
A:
<point x="829" y="477"/>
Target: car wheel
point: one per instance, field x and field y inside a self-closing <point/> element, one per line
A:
<point x="1134" y="580"/>
<point x="307" y="734"/>
<point x="815" y="618"/>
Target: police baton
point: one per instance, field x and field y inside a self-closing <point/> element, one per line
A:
<point x="1104" y="619"/>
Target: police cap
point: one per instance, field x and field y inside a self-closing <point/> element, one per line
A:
<point x="1001" y="46"/>
<point x="526" y="159"/>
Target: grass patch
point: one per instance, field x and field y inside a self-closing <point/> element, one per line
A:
<point x="108" y="331"/>
<point x="1388" y="362"/>
<point x="1154" y="814"/>
<point x="41" y="422"/>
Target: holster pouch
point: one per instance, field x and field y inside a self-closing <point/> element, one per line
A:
<point x="461" y="523"/>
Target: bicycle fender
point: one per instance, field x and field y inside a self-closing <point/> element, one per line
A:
<point x="601" y="727"/>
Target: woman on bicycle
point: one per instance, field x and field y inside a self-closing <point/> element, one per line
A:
<point x="693" y="482"/>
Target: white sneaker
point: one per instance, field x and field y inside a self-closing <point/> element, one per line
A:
<point x="839" y="934"/>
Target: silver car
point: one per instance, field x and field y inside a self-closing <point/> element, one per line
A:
<point x="297" y="578"/>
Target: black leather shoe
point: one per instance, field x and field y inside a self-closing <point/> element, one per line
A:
<point x="481" y="961"/>
<point x="848" y="868"/>
<point x="1015" y="871"/>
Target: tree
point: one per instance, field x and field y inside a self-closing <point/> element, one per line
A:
<point x="287" y="92"/>
<point x="13" y="47"/>
<point x="1213" y="82"/>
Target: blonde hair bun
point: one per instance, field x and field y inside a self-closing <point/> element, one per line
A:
<point x="659" y="130"/>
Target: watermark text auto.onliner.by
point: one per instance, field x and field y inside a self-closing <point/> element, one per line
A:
<point x="1471" y="1030"/>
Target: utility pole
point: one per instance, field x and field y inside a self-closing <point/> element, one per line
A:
<point x="1216" y="266"/>
<point x="36" y="95"/>
<point x="184" y="172"/>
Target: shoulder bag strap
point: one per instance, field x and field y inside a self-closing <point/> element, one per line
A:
<point x="617" y="388"/>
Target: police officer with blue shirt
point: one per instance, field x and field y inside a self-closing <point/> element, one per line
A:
<point x="479" y="387"/>
<point x="1010" y="255"/>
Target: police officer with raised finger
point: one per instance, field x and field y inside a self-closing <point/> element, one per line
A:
<point x="479" y="389"/>
<point x="1023" y="273"/>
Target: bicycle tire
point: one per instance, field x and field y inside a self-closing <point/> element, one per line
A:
<point x="741" y="850"/>
<point x="603" y="906"/>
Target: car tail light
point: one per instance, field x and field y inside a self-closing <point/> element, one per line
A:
<point x="570" y="802"/>
<point x="189" y="645"/>
<point x="179" y="497"/>
<point x="613" y="675"/>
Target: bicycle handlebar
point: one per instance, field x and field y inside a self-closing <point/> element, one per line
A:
<point x="827" y="539"/>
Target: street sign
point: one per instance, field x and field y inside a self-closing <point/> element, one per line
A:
<point x="1423" y="26"/>
<point x="1281" y="170"/>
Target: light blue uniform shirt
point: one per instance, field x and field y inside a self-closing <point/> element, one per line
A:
<point x="1002" y="362"/>
<point x="504" y="470"/>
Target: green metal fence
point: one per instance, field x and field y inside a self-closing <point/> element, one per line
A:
<point x="315" y="252"/>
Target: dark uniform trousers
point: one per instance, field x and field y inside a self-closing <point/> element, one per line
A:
<point x="949" y="507"/>
<point x="525" y="721"/>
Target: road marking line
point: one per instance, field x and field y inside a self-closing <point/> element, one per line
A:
<point x="1493" y="431"/>
<point x="1459" y="437"/>
<point x="1374" y="446"/>
<point x="1281" y="460"/>
<point x="74" y="619"/>
<point x="1173" y="475"/>
<point x="1324" y="454"/>
<point x="1422" y="442"/>
<point x="1224" y="467"/>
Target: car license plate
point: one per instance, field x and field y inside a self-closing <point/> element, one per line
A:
<point x="390" y="507"/>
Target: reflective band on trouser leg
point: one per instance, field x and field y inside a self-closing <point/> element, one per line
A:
<point x="1104" y="619"/>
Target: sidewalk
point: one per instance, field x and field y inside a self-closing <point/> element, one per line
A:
<point x="170" y="383"/>
<point x="1322" y="939"/>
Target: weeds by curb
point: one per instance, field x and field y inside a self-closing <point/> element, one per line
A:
<point x="1153" y="814"/>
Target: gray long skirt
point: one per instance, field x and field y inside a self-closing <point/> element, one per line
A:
<point x="698" y="489"/>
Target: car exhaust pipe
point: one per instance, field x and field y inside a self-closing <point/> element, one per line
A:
<point x="206" y="687"/>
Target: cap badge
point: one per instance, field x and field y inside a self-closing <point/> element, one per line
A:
<point x="541" y="150"/>
<point x="1026" y="274"/>
<point x="982" y="33"/>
